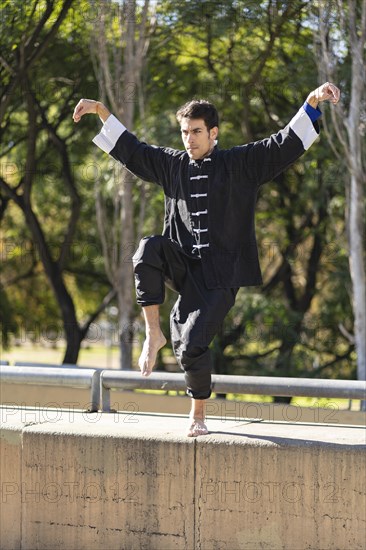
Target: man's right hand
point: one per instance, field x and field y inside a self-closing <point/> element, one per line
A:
<point x="89" y="106"/>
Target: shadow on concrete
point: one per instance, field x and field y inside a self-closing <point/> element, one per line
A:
<point x="247" y="421"/>
<point x="290" y="441"/>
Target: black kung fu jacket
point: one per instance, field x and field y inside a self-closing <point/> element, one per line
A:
<point x="231" y="260"/>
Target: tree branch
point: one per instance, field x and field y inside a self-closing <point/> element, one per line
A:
<point x="337" y="358"/>
<point x="69" y="180"/>
<point x="30" y="163"/>
<point x="10" y="192"/>
<point x="102" y="228"/>
<point x="105" y="303"/>
<point x="15" y="280"/>
<point x="29" y="54"/>
<point x="255" y="356"/>
<point x="350" y="337"/>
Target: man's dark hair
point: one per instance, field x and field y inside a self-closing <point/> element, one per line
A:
<point x="199" y="108"/>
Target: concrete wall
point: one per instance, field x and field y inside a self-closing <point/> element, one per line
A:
<point x="121" y="481"/>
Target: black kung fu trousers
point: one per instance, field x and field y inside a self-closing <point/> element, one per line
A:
<point x="197" y="314"/>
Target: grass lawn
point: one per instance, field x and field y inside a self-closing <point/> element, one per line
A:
<point x="98" y="356"/>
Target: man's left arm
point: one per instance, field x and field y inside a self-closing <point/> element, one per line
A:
<point x="300" y="123"/>
<point x="265" y="159"/>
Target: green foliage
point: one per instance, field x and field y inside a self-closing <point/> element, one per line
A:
<point x="255" y="61"/>
<point x="54" y="84"/>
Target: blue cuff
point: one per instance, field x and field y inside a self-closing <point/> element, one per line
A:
<point x="314" y="114"/>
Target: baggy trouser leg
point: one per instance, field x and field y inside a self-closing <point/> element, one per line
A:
<point x="197" y="314"/>
<point x="194" y="358"/>
<point x="156" y="259"/>
<point x="195" y="319"/>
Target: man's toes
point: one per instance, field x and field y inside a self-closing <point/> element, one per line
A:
<point x="198" y="427"/>
<point x="145" y="368"/>
<point x="146" y="371"/>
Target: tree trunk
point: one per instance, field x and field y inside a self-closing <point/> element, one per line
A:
<point x="119" y="75"/>
<point x="351" y="22"/>
<point x="125" y="332"/>
<point x="73" y="333"/>
<point x="357" y="269"/>
<point x="356" y="206"/>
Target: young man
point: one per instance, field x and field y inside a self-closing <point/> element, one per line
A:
<point x="208" y="247"/>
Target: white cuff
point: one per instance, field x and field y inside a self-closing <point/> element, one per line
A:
<point x="107" y="138"/>
<point x="303" y="127"/>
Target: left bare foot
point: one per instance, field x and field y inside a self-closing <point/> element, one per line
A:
<point x="149" y="352"/>
<point x="197" y="427"/>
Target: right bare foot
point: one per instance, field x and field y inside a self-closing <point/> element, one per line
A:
<point x="150" y="349"/>
<point x="197" y="427"/>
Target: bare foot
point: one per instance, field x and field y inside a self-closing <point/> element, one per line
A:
<point x="149" y="352"/>
<point x="197" y="427"/>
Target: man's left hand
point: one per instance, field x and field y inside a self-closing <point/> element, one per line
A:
<point x="325" y="92"/>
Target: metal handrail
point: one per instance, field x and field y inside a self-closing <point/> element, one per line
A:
<point x="54" y="365"/>
<point x="102" y="381"/>
<point x="257" y="385"/>
<point x="43" y="365"/>
<point x="132" y="380"/>
<point x="54" y="376"/>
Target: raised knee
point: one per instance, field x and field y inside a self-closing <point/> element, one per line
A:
<point x="146" y="245"/>
<point x="191" y="355"/>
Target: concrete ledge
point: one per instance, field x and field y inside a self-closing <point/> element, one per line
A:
<point x="134" y="481"/>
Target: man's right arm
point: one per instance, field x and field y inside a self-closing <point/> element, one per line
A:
<point x="145" y="161"/>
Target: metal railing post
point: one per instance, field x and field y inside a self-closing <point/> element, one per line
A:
<point x="105" y="397"/>
<point x="95" y="391"/>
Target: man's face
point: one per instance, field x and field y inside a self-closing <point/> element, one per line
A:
<point x="198" y="141"/>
